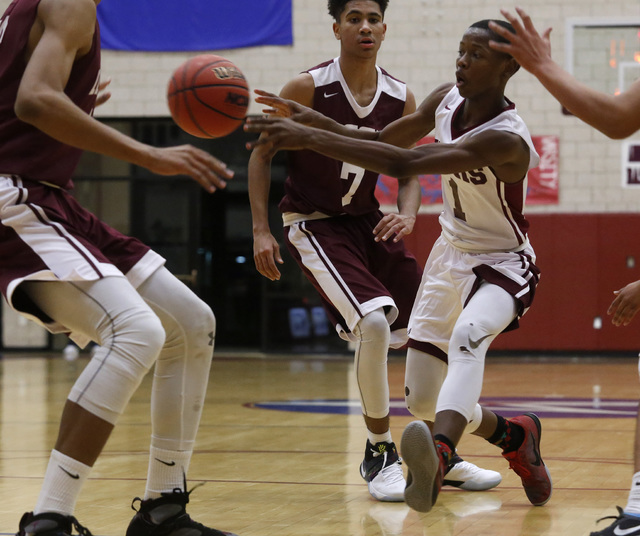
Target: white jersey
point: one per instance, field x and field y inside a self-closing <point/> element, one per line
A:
<point x="482" y="213"/>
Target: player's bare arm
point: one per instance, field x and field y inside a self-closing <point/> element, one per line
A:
<point x="615" y="116"/>
<point x="63" y="32"/>
<point x="504" y="151"/>
<point x="296" y="101"/>
<point x="266" y="250"/>
<point x="411" y="128"/>
<point x="399" y="224"/>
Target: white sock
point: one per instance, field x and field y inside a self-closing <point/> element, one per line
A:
<point x="63" y="481"/>
<point x="379" y="438"/>
<point x="167" y="470"/>
<point x="633" y="506"/>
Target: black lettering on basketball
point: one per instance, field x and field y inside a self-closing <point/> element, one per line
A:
<point x="237" y="99"/>
<point x="226" y="73"/>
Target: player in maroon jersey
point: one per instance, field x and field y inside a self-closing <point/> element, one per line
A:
<point x="349" y="250"/>
<point x="69" y="271"/>
<point x="616" y="116"/>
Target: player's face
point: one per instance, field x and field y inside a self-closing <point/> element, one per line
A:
<point x="361" y="29"/>
<point x="479" y="68"/>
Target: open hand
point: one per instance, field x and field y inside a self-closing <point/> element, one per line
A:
<point x="281" y="134"/>
<point x="527" y="46"/>
<point x="205" y="169"/>
<point x="282" y="107"/>
<point x="396" y="225"/>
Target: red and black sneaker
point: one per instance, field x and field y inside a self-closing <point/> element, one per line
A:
<point x="425" y="467"/>
<point x="527" y="462"/>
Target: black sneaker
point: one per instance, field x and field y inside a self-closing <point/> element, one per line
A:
<point x="382" y="470"/>
<point x="50" y="524"/>
<point x="623" y="524"/>
<point x="166" y="516"/>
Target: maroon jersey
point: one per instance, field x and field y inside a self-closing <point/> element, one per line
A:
<point x="24" y="150"/>
<point x="317" y="183"/>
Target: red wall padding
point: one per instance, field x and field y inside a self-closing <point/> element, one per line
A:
<point x="583" y="259"/>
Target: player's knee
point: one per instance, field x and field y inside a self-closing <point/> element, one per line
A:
<point x="138" y="336"/>
<point x="373" y="327"/>
<point x="421" y="405"/>
<point x="199" y="325"/>
<point x="469" y="337"/>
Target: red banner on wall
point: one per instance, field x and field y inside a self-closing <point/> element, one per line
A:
<point x="542" y="182"/>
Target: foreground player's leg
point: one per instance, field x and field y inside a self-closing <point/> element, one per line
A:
<point x="489" y="311"/>
<point x="130" y="336"/>
<point x="178" y="394"/>
<point x="423" y="380"/>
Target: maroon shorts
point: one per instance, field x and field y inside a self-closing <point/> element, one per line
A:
<point x="353" y="273"/>
<point x="46" y="235"/>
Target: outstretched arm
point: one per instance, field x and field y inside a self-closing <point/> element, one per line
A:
<point x="62" y="33"/>
<point x="616" y="116"/>
<point x="501" y="150"/>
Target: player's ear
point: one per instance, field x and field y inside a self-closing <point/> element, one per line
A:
<point x="512" y="66"/>
<point x="384" y="30"/>
<point x="336" y="30"/>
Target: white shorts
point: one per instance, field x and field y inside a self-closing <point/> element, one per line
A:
<point x="452" y="276"/>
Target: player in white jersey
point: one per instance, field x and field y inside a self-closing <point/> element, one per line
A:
<point x="349" y="250"/>
<point x="480" y="276"/>
<point x="616" y="116"/>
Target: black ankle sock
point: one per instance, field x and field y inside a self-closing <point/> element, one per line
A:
<point x="508" y="436"/>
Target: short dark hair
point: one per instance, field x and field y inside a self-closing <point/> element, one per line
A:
<point x="484" y="25"/>
<point x="336" y="7"/>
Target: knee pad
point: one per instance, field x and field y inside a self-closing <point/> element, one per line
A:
<point x="129" y="346"/>
<point x="423" y="379"/>
<point x="470" y="338"/>
<point x="190" y="332"/>
<point x="373" y="327"/>
<point x="421" y="407"/>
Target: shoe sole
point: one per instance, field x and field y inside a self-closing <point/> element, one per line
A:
<point x="473" y="486"/>
<point x="420" y="454"/>
<point x="382" y="497"/>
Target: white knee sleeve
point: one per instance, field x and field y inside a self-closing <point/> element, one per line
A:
<point x="489" y="311"/>
<point x="182" y="370"/>
<point x="371" y="363"/>
<point x="424" y="375"/>
<point x="110" y="312"/>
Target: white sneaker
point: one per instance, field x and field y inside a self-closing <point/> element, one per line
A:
<point x="382" y="469"/>
<point x="465" y="475"/>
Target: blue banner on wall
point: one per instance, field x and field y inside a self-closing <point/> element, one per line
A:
<point x="194" y="25"/>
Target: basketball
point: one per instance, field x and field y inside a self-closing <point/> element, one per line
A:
<point x="208" y="96"/>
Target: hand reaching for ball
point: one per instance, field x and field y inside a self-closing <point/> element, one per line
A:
<point x="211" y="173"/>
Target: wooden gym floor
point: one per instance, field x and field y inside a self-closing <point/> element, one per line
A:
<point x="290" y="468"/>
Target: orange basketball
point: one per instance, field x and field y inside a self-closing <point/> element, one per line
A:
<point x="208" y="96"/>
